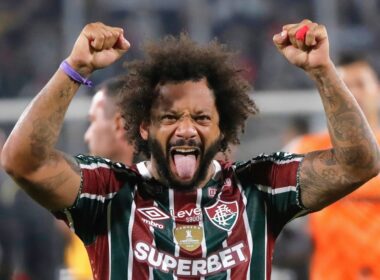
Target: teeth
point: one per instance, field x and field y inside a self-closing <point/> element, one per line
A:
<point x="185" y="150"/>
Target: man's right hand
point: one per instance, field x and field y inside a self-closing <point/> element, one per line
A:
<point x="97" y="46"/>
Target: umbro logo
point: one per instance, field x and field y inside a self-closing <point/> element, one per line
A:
<point x="153" y="213"/>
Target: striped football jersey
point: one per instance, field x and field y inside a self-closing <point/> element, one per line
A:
<point x="135" y="228"/>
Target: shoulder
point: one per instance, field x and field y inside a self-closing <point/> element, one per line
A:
<point x="98" y="170"/>
<point x="94" y="163"/>
<point x="274" y="158"/>
<point x="269" y="169"/>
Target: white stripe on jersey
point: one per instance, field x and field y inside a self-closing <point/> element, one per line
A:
<point x="278" y="160"/>
<point x="130" y="228"/>
<point x="274" y="191"/>
<point x="246" y="224"/>
<point x="100" y="198"/>
<point x="224" y="243"/>
<point x="203" y="243"/>
<point x="151" y="276"/>
<point x="109" y="239"/>
<point x="94" y="165"/>
<point x="266" y="242"/>
<point x="171" y="206"/>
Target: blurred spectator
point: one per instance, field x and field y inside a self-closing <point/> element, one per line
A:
<point x="293" y="246"/>
<point x="7" y="225"/>
<point x="29" y="252"/>
<point x="247" y="25"/>
<point x="345" y="233"/>
<point x="22" y="24"/>
<point x="105" y="137"/>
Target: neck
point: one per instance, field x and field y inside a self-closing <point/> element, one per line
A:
<point x="123" y="156"/>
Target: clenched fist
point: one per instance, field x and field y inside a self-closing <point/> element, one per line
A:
<point x="305" y="45"/>
<point x="97" y="46"/>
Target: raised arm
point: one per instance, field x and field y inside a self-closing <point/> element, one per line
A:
<point x="326" y="176"/>
<point x="29" y="155"/>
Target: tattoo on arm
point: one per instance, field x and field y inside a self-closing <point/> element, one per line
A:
<point x="45" y="130"/>
<point x="350" y="133"/>
<point x="328" y="175"/>
<point x="45" y="191"/>
<point x="319" y="178"/>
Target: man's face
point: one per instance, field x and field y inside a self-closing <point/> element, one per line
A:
<point x="100" y="135"/>
<point x="184" y="133"/>
<point x="362" y="82"/>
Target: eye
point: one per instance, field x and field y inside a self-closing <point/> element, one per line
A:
<point x="168" y="118"/>
<point x="202" y="118"/>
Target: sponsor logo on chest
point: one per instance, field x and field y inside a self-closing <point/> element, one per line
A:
<point x="151" y="216"/>
<point x="225" y="259"/>
<point x="190" y="215"/>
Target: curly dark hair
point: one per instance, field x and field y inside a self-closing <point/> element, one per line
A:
<point x="179" y="59"/>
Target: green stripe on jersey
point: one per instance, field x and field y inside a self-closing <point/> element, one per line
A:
<point x="121" y="210"/>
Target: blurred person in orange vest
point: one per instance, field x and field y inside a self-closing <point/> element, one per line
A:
<point x="105" y="137"/>
<point x="346" y="234"/>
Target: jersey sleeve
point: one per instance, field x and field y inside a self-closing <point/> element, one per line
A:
<point x="101" y="181"/>
<point x="276" y="177"/>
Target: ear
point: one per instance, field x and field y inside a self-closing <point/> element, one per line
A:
<point x="119" y="125"/>
<point x="144" y="130"/>
<point x="119" y="122"/>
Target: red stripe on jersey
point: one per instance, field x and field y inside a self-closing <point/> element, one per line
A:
<point x="185" y="209"/>
<point x="270" y="247"/>
<point x="141" y="232"/>
<point x="99" y="257"/>
<point x="239" y="233"/>
<point x="273" y="174"/>
<point x="92" y="185"/>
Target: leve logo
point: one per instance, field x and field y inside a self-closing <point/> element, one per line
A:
<point x="223" y="214"/>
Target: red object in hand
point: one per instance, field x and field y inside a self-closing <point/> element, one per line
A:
<point x="301" y="33"/>
<point x="21" y="276"/>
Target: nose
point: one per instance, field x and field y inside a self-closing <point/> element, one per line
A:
<point x="186" y="129"/>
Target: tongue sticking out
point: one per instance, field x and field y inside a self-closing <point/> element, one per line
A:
<point x="185" y="165"/>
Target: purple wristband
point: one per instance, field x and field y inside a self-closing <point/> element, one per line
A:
<point x="74" y="74"/>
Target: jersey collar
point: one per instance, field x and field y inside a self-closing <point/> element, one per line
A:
<point x="144" y="172"/>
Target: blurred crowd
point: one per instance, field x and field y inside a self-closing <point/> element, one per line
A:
<point x="245" y="25"/>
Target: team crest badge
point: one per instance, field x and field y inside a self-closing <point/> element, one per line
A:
<point x="223" y="214"/>
<point x="189" y="237"/>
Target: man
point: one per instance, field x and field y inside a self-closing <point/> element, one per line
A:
<point x="181" y="214"/>
<point x="106" y="135"/>
<point x="354" y="219"/>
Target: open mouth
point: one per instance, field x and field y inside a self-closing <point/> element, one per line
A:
<point x="185" y="161"/>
